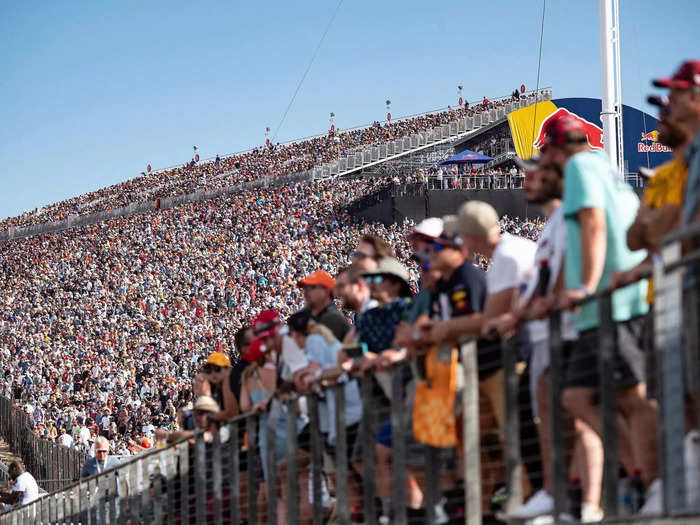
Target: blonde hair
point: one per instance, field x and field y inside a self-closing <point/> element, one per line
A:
<point x="322" y="330"/>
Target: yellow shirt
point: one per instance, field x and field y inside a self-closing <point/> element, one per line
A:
<point x="666" y="187"/>
<point x="667" y="184"/>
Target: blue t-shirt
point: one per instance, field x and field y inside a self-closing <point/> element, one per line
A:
<point x="325" y="354"/>
<point x="590" y="182"/>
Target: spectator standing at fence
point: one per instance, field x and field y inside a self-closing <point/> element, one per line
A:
<point x="102" y="460"/>
<point x="598" y="209"/>
<point x="214" y="379"/>
<point x="684" y="101"/>
<point x="24" y="486"/>
<point x="318" y="298"/>
<point x="65" y="438"/>
<point x="543" y="187"/>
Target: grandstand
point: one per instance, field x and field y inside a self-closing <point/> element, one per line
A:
<point x="113" y="299"/>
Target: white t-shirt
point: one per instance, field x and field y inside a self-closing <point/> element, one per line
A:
<point x="66" y="440"/>
<point x="294" y="358"/>
<point x="26" y="484"/>
<point x="84" y="435"/>
<point x="512" y="264"/>
<point x="551" y="247"/>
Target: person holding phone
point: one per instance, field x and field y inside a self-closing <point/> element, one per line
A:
<point x="214" y="380"/>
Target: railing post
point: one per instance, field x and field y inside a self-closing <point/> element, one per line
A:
<point x="556" y="411"/>
<point x="217" y="479"/>
<point x="607" y="343"/>
<point x="668" y="322"/>
<point x="252" y="463"/>
<point x="200" y="479"/>
<point x="184" y="473"/>
<point x="398" y="448"/>
<point x="271" y="462"/>
<point x="432" y="482"/>
<point x="471" y="443"/>
<point x="341" y="455"/>
<point x="316" y="461"/>
<point x="514" y="485"/>
<point x="234" y="462"/>
<point x="292" y="466"/>
<point x="368" y="440"/>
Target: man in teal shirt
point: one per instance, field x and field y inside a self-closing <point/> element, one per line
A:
<point x="598" y="209"/>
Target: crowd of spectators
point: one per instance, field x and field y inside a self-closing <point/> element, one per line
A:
<point x="102" y="327"/>
<point x="269" y="160"/>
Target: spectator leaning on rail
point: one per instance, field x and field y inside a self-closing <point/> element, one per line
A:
<point x="684" y="105"/>
<point x="24" y="487"/>
<point x="102" y="460"/>
<point x="318" y="298"/>
<point x="598" y="209"/>
<point x="214" y="379"/>
<point x="543" y="187"/>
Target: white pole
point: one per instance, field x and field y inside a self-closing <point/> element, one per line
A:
<point x="611" y="88"/>
<point x="607" y="77"/>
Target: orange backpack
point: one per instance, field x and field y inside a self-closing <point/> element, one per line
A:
<point x="434" y="407"/>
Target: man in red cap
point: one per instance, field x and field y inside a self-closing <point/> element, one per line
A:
<point x="598" y="209"/>
<point x="684" y="106"/>
<point x="318" y="297"/>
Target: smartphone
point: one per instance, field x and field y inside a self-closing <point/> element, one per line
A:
<point x="355" y="350"/>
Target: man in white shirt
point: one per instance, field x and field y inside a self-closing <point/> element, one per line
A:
<point x="65" y="439"/>
<point x="511" y="265"/>
<point x="24" y="489"/>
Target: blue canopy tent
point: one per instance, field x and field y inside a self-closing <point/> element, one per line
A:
<point x="467" y="157"/>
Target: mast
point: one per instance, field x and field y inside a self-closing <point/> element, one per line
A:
<point x="611" y="86"/>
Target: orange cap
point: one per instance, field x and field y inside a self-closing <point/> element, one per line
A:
<point x="319" y="278"/>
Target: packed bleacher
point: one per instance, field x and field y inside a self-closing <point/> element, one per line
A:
<point x="269" y="160"/>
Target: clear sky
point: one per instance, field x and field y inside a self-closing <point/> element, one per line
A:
<point x="92" y="92"/>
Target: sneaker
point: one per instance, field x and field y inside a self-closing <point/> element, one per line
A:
<point x="591" y="513"/>
<point x="692" y="470"/>
<point x="653" y="499"/>
<point x="539" y="504"/>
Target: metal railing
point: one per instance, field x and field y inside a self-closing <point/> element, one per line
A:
<point x="53" y="464"/>
<point x="475" y="182"/>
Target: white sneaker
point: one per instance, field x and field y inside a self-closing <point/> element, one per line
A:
<point x="539" y="504"/>
<point x="591" y="513"/>
<point x="692" y="470"/>
<point x="653" y="499"/>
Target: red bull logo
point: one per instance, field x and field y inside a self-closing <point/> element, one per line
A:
<point x="593" y="132"/>
<point x="649" y="143"/>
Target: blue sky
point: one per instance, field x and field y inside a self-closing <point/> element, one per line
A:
<point x="94" y="91"/>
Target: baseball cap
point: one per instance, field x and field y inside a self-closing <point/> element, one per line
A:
<point x="218" y="359"/>
<point x="687" y="76"/>
<point x="264" y="324"/>
<point x="318" y="278"/>
<point x="206" y="404"/>
<point x="430" y="227"/>
<point x="145" y="443"/>
<point x="255" y="352"/>
<point x="476" y="218"/>
<point x="563" y="129"/>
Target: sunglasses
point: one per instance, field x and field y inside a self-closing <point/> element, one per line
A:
<point x="359" y="255"/>
<point x="376" y="279"/>
<point x="313" y="287"/>
<point x="211" y="368"/>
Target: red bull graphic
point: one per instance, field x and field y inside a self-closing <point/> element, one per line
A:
<point x="593" y="132"/>
<point x="649" y="143"/>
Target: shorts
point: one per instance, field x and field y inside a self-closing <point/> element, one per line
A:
<point x="629" y="357"/>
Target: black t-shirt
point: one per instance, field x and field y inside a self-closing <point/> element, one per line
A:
<point x="464" y="293"/>
<point x="334" y="320"/>
<point x="237" y="369"/>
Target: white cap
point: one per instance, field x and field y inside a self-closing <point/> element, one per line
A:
<point x="430" y="227"/>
